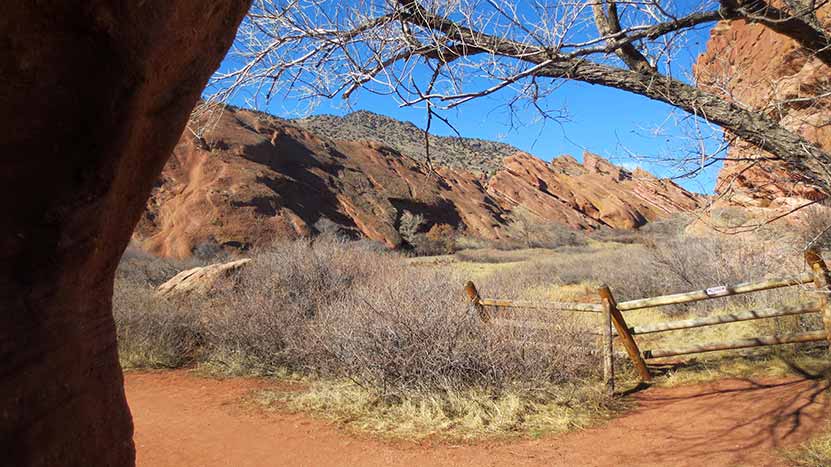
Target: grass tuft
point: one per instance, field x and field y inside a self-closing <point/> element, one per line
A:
<point x="814" y="453"/>
<point x="452" y="416"/>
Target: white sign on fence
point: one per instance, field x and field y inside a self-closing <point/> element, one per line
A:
<point x="716" y="291"/>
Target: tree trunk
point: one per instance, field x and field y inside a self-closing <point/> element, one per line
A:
<point x="93" y="97"/>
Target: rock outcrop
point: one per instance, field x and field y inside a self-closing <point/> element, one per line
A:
<point x="202" y="280"/>
<point x="589" y="195"/>
<point x="93" y="98"/>
<point x="761" y="69"/>
<point x="255" y="178"/>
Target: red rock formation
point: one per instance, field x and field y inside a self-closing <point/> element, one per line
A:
<point x="94" y="96"/>
<point x="758" y="67"/>
<point x="265" y="178"/>
<point x="596" y="193"/>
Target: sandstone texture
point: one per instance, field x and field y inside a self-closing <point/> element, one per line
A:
<point x="254" y="178"/>
<point x="593" y="194"/>
<point x="94" y="95"/>
<point x="764" y="70"/>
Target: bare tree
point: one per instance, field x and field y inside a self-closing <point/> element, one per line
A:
<point x="443" y="53"/>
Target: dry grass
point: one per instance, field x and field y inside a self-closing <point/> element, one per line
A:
<point x="769" y="362"/>
<point x="391" y="346"/>
<point x="814" y="453"/>
<point x="471" y="414"/>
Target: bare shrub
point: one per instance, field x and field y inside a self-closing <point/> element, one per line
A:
<point x="816" y="232"/>
<point x="139" y="266"/>
<point x="333" y="307"/>
<point x="439" y="240"/>
<point x="413" y="332"/>
<point x="409" y="225"/>
<point x="529" y="230"/>
<point x="327" y="227"/>
<point x="209" y="252"/>
<point x="265" y="325"/>
<point x="464" y="241"/>
<point x="670" y="265"/>
<point x="699" y="262"/>
<point x="657" y="230"/>
<point x="673" y="226"/>
<point x="153" y="332"/>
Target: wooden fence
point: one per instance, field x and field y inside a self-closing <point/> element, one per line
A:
<point x="611" y="313"/>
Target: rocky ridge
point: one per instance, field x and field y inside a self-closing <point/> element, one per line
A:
<point x="255" y="178"/>
<point x="471" y="154"/>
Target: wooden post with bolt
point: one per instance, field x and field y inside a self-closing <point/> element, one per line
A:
<point x="476" y="301"/>
<point x="821" y="282"/>
<point x="623" y="331"/>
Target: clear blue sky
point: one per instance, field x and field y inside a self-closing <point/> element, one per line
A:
<point x="617" y="125"/>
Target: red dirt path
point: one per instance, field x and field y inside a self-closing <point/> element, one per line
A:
<point x="185" y="420"/>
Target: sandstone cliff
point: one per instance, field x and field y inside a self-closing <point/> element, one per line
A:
<point x="761" y="69"/>
<point x="255" y="178"/>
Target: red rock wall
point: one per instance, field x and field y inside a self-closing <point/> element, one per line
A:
<point x="257" y="178"/>
<point x="757" y="67"/>
<point x="94" y="95"/>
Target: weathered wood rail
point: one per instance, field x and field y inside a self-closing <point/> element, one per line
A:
<point x="613" y="324"/>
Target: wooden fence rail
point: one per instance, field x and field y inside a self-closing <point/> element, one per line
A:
<point x="554" y="306"/>
<point x="613" y="324"/>
<point x="723" y="319"/>
<point x="714" y="292"/>
<point x="811" y="336"/>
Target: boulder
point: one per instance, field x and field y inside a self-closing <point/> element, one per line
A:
<point x="202" y="280"/>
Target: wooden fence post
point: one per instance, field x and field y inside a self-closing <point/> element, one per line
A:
<point x="821" y="281"/>
<point x="607" y="349"/>
<point x="476" y="301"/>
<point x="610" y="305"/>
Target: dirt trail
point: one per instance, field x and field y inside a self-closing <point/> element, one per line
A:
<point x="185" y="420"/>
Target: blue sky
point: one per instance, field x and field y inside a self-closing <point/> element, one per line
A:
<point x="615" y="124"/>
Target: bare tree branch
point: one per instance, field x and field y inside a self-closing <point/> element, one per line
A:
<point x="315" y="49"/>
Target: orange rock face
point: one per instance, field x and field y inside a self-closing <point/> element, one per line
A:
<point x="93" y="98"/>
<point x="764" y="70"/>
<point x="589" y="195"/>
<point x="257" y="178"/>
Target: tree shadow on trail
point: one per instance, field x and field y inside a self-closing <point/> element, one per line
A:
<point x="737" y="416"/>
